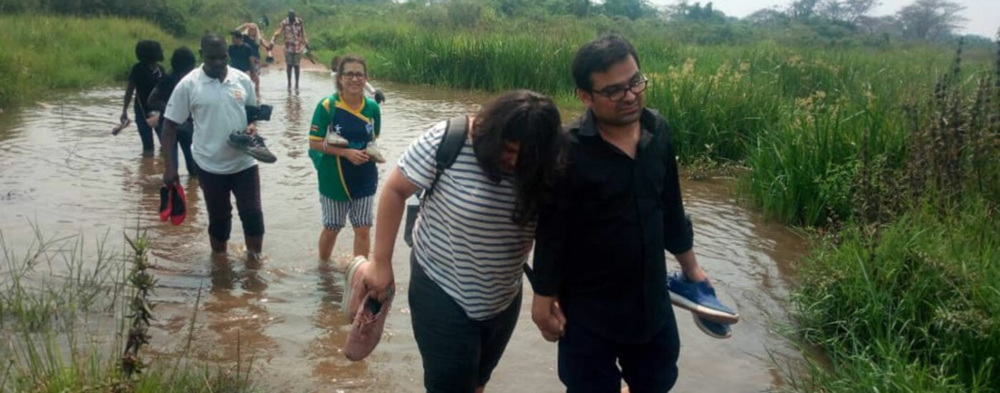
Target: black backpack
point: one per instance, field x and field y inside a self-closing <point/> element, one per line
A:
<point x="455" y="134"/>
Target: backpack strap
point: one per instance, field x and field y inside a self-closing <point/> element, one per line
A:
<point x="455" y="134"/>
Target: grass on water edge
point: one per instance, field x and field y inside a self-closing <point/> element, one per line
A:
<point x="55" y="308"/>
<point x="910" y="307"/>
<point x="57" y="53"/>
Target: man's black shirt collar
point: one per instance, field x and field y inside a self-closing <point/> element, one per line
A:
<point x="647" y="120"/>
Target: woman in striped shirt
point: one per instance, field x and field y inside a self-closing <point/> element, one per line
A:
<point x="473" y="234"/>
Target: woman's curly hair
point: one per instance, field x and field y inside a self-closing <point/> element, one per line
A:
<point x="533" y="121"/>
<point x="148" y="51"/>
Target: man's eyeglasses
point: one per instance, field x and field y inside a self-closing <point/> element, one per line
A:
<point x="354" y="75"/>
<point x="617" y="92"/>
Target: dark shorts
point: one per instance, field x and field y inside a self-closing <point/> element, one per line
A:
<point x="245" y="187"/>
<point x="458" y="353"/>
<point x="591" y="363"/>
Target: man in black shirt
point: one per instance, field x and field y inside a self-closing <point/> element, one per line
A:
<point x="599" y="269"/>
<point x="240" y="53"/>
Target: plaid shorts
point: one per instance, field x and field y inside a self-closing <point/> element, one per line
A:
<point x="292" y="58"/>
<point x="335" y="212"/>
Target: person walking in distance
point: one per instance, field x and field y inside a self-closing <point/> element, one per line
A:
<point x="141" y="81"/>
<point x="182" y="62"/>
<point x="241" y="55"/>
<point x="253" y="37"/>
<point x="294" y="33"/>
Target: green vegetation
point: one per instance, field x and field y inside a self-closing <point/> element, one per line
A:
<point x="905" y="298"/>
<point x="794" y="115"/>
<point x="45" y="53"/>
<point x="910" y="307"/>
<point x="56" y="325"/>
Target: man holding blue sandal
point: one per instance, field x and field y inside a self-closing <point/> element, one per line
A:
<point x="600" y="279"/>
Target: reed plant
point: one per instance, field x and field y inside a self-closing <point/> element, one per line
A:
<point x="720" y="100"/>
<point x="806" y="163"/>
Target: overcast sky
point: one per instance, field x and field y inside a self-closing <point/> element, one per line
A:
<point x="983" y="15"/>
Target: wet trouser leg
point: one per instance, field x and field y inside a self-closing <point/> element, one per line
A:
<point x="246" y="189"/>
<point x="215" y="191"/>
<point x="145" y="131"/>
<point x="184" y="141"/>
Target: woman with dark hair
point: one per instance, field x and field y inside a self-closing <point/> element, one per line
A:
<point x="472" y="236"/>
<point x="181" y="63"/>
<point x="141" y="81"/>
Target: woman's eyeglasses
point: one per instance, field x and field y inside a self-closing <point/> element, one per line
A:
<point x="354" y="75"/>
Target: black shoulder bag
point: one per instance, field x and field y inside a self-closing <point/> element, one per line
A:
<point x="456" y="132"/>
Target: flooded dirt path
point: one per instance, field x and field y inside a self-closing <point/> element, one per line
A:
<point x="62" y="171"/>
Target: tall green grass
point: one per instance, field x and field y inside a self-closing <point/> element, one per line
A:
<point x="46" y="53"/>
<point x="730" y="104"/>
<point x="906" y="297"/>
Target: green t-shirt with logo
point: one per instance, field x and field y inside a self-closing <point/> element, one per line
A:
<point x="339" y="179"/>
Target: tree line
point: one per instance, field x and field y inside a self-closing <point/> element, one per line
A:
<point x="830" y="20"/>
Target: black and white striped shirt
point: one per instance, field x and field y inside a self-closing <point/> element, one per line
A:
<point x="464" y="237"/>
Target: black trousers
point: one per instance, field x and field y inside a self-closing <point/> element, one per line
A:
<point x="590" y="363"/>
<point x="458" y="353"/>
<point x="245" y="186"/>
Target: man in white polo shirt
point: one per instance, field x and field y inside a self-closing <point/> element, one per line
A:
<point x="215" y="96"/>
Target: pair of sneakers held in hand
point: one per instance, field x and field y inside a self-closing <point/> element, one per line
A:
<point x="253" y="144"/>
<point x="710" y="315"/>
<point x="372" y="150"/>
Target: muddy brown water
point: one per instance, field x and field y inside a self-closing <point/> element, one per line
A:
<point x="62" y="171"/>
